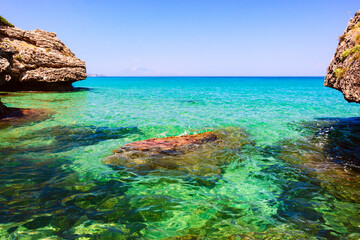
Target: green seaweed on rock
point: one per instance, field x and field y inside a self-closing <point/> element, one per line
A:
<point x="5" y="22"/>
<point x="350" y="52"/>
<point x="340" y="72"/>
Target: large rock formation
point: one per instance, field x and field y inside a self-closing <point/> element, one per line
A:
<point x="39" y="61"/>
<point x="343" y="73"/>
<point x="5" y="69"/>
<point x="3" y="110"/>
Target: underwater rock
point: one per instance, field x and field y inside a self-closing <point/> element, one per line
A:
<point x="40" y="61"/>
<point x="17" y="116"/>
<point x="331" y="154"/>
<point x="63" y="138"/>
<point x="198" y="154"/>
<point x="343" y="72"/>
<point x="334" y="140"/>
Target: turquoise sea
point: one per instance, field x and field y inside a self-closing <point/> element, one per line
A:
<point x="295" y="177"/>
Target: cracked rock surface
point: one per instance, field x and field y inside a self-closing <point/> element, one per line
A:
<point x="38" y="61"/>
<point x="343" y="72"/>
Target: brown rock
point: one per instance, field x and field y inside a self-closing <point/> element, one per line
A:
<point x="17" y="116"/>
<point x="34" y="60"/>
<point x="343" y="72"/>
<point x="3" y="110"/>
<point x="170" y="143"/>
<point x="5" y="65"/>
<point x="198" y="154"/>
<point x="5" y="69"/>
<point x="40" y="62"/>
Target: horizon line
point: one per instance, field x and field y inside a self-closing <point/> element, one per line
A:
<point x="206" y="76"/>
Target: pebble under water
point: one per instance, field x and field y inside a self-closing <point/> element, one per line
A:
<point x="289" y="168"/>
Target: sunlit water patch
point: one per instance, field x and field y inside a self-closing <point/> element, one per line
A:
<point x="295" y="177"/>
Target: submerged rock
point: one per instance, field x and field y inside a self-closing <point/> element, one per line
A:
<point x="17" y="116"/>
<point x="330" y="153"/>
<point x="198" y="154"/>
<point x="39" y="61"/>
<point x="62" y="138"/>
<point x="343" y="72"/>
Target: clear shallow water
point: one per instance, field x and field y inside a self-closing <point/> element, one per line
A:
<point x="288" y="182"/>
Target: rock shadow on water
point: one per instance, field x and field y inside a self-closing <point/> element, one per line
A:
<point x="64" y="138"/>
<point x="44" y="199"/>
<point x="82" y="89"/>
<point x="17" y="116"/>
<point x="342" y="144"/>
<point x="191" y="102"/>
<point x="73" y="89"/>
<point x="35" y="90"/>
<point x="41" y="192"/>
<point x="323" y="180"/>
<point x="334" y="141"/>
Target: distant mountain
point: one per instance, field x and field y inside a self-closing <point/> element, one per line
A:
<point x="137" y="71"/>
<point x="95" y="75"/>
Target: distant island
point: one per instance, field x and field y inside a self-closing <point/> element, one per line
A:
<point x="95" y="75"/>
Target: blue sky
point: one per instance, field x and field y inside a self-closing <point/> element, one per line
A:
<point x="192" y="37"/>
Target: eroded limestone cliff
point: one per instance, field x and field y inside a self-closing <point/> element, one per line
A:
<point x="5" y="70"/>
<point x="39" y="61"/>
<point x="343" y="72"/>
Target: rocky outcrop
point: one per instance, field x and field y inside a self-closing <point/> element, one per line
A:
<point x="40" y="61"/>
<point x="343" y="73"/>
<point x="5" y="69"/>
<point x="3" y="110"/>
<point x="14" y="116"/>
<point x="198" y="154"/>
<point x="5" y="65"/>
<point x="34" y="61"/>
